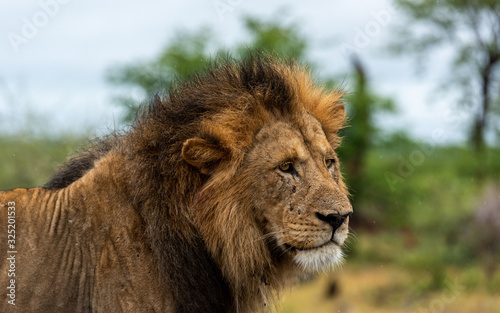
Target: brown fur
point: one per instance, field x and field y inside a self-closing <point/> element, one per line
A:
<point x="189" y="211"/>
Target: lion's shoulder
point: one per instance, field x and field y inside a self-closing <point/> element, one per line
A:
<point x="75" y="167"/>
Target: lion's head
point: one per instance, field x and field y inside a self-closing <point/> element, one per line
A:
<point x="273" y="196"/>
<point x="287" y="185"/>
<point x="297" y="194"/>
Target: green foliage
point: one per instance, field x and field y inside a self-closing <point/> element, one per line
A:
<point x="428" y="179"/>
<point x="189" y="53"/>
<point x="28" y="162"/>
<point x="425" y="216"/>
<point x="186" y="54"/>
<point x="362" y="106"/>
<point x="469" y="29"/>
<point x="273" y="37"/>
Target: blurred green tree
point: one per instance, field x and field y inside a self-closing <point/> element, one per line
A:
<point x="273" y="36"/>
<point x="188" y="52"/>
<point x="471" y="29"/>
<point x="185" y="54"/>
<point x="362" y="132"/>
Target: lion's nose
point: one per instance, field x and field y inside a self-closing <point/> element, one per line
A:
<point x="335" y="220"/>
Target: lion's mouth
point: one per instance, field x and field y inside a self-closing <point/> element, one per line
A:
<point x="317" y="258"/>
<point x="292" y="248"/>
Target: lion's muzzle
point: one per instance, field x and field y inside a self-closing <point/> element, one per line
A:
<point x="335" y="220"/>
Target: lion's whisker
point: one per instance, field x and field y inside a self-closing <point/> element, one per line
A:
<point x="265" y="236"/>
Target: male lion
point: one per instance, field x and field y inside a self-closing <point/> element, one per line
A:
<point x="220" y="194"/>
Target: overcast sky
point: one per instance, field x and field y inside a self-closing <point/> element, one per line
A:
<point x="54" y="55"/>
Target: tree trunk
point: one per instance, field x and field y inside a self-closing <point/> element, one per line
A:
<point x="480" y="121"/>
<point x="477" y="137"/>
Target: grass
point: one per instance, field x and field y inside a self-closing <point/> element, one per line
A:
<point x="26" y="162"/>
<point x="387" y="288"/>
<point x="388" y="272"/>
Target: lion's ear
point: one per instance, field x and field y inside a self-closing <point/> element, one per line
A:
<point x="332" y="117"/>
<point x="202" y="154"/>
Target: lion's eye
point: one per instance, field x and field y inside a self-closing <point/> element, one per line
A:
<point x="286" y="167"/>
<point x="329" y="162"/>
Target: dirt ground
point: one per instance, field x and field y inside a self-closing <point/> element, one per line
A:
<point x="378" y="289"/>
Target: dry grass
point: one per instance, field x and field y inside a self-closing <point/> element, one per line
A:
<point x="378" y="289"/>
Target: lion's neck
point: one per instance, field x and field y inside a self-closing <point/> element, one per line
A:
<point x="196" y="280"/>
<point x="180" y="258"/>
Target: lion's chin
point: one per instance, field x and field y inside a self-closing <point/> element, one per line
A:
<point x="319" y="259"/>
